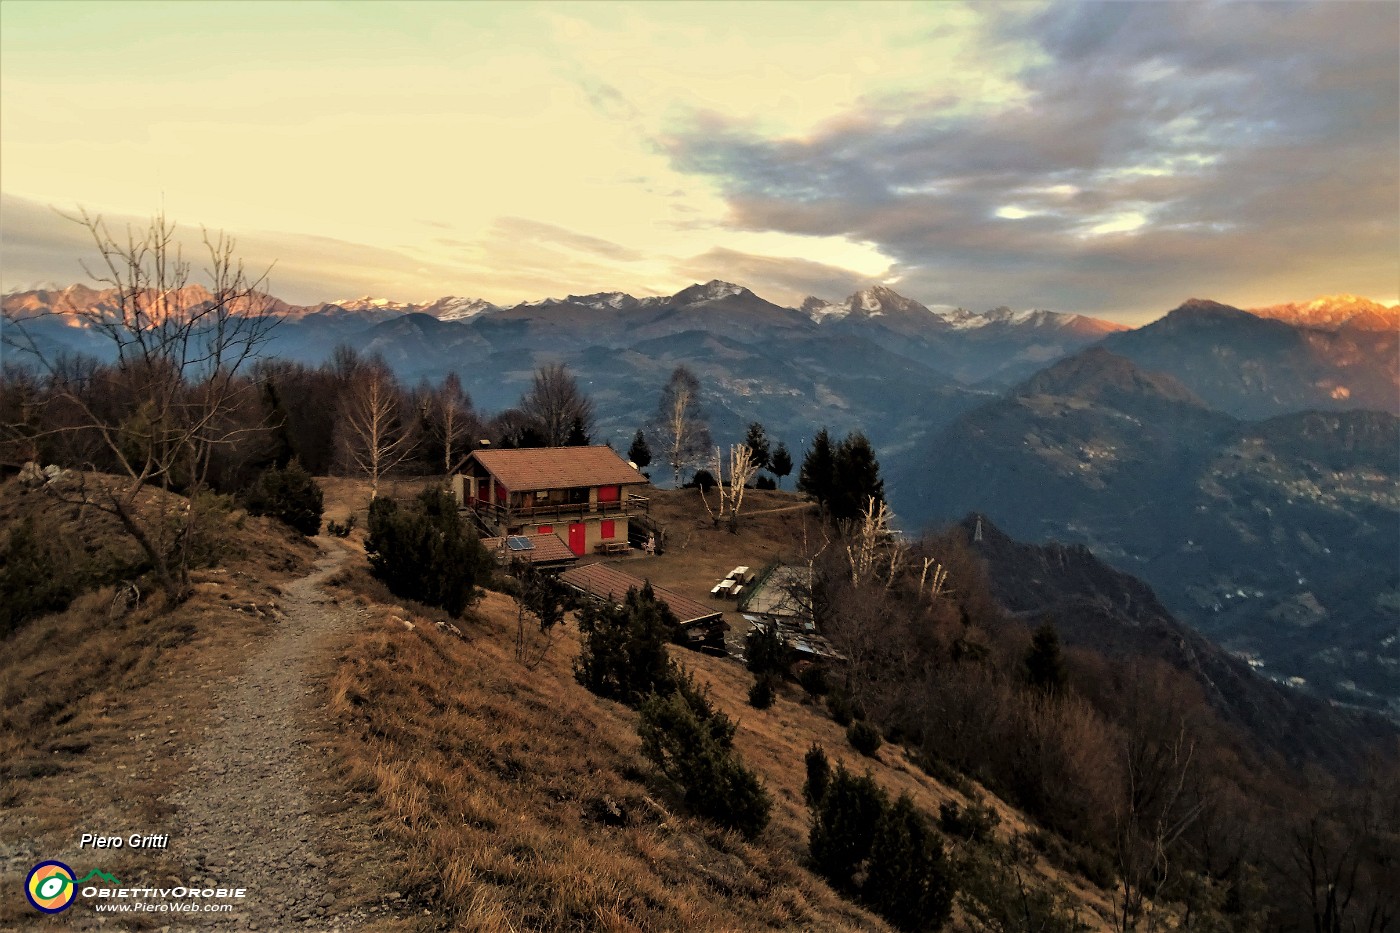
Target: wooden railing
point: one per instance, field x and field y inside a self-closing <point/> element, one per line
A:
<point x="514" y="515"/>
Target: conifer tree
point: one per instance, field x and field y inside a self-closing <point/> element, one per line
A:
<point x="757" y="441"/>
<point x="639" y="453"/>
<point x="781" y="463"/>
<point x="843" y="826"/>
<point x="907" y="880"/>
<point x="855" y="478"/>
<point x="623" y="656"/>
<point x="817" y="477"/>
<point x="818" y="776"/>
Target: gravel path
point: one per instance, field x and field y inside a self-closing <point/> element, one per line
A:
<point x="245" y="817"/>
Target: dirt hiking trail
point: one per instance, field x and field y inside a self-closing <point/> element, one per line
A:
<point x="248" y="813"/>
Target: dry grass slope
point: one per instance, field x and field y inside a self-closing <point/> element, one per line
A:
<point x="501" y="782"/>
<point x="98" y="707"/>
<point x="524" y="802"/>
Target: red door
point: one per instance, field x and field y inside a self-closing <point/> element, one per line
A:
<point x="577" y="538"/>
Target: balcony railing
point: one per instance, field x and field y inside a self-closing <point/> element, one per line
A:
<point x="579" y="511"/>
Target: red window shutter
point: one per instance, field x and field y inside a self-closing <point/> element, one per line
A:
<point x="609" y="528"/>
<point x="545" y="530"/>
<point x="609" y="493"/>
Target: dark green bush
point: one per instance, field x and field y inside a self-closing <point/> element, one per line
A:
<point x="818" y="776"/>
<point x="907" y="880"/>
<point x="289" y="495"/>
<point x="761" y="694"/>
<point x="623" y="656"/>
<point x="425" y="553"/>
<point x="337" y="530"/>
<point x="812" y="678"/>
<point x="765" y="652"/>
<point x="842" y="710"/>
<point x="864" y="738"/>
<point x="704" y="479"/>
<point x="39" y="574"/>
<point x="975" y="823"/>
<point x="843" y="826"/>
<point x="692" y="744"/>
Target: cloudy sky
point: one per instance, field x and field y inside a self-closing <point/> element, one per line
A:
<point x="1113" y="159"/>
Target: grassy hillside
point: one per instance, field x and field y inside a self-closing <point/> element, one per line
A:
<point x="523" y="799"/>
<point x="444" y="782"/>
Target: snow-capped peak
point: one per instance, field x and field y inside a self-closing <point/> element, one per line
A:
<point x="713" y="290"/>
<point x="369" y="303"/>
<point x="881" y="299"/>
<point x="819" y="309"/>
<point x="868" y="302"/>
<point x="453" y="308"/>
<point x="604" y="300"/>
<point x="1330" y="312"/>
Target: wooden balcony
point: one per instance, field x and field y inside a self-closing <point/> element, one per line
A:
<point x="510" y="516"/>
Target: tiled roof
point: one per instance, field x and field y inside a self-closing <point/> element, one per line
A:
<point x="608" y="583"/>
<point x="533" y="468"/>
<point x="548" y="549"/>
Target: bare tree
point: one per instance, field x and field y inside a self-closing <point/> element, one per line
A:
<point x="872" y="549"/>
<point x="454" y="422"/>
<point x="544" y="597"/>
<point x="1154" y="810"/>
<point x="732" y="483"/>
<point x="377" y="435"/>
<point x="679" y="424"/>
<point x="555" y="403"/>
<point x="179" y="348"/>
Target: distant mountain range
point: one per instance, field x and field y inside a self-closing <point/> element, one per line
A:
<point x="1278" y="538"/>
<point x="1242" y="462"/>
<point x="1116" y="615"/>
<point x="1257" y="364"/>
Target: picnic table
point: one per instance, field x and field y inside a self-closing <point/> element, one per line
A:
<point x="613" y="547"/>
<point x="723" y="588"/>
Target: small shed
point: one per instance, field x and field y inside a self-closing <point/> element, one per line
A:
<point x="703" y="627"/>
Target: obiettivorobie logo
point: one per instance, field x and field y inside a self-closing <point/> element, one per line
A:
<point x="51" y="886"/>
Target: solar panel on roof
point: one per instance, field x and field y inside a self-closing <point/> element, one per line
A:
<point x="520" y="543"/>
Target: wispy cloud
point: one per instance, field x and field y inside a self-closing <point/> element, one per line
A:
<point x="1111" y="157"/>
<point x="1166" y="150"/>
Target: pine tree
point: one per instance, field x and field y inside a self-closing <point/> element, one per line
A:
<point x="843" y="826"/>
<point x="907" y="880"/>
<point x="818" y="776"/>
<point x="289" y="495"/>
<point x="624" y="655"/>
<point x="639" y="453"/>
<point x="855" y="478"/>
<point x="425" y="552"/>
<point x="781" y="463"/>
<point x="757" y="441"/>
<point x="692" y="743"/>
<point x="817" y="478"/>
